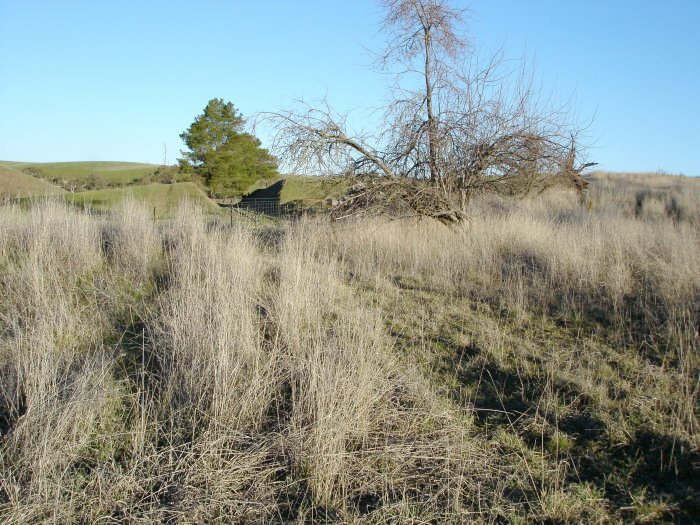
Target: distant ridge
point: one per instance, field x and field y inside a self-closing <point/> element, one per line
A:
<point x="109" y="172"/>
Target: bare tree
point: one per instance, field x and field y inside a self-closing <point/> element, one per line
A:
<point x="455" y="125"/>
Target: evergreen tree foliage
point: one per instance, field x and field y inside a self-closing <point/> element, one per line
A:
<point x="228" y="159"/>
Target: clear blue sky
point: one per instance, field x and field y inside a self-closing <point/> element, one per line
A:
<point x="117" y="79"/>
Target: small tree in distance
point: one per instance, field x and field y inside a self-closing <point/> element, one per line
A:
<point x="455" y="126"/>
<point x="226" y="158"/>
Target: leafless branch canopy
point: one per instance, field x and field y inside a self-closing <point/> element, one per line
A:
<point x="456" y="125"/>
<point x="315" y="138"/>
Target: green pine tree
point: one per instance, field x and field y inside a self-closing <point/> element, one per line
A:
<point x="227" y="159"/>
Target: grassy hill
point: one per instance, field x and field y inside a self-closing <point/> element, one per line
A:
<point x="164" y="198"/>
<point x="118" y="173"/>
<point x="641" y="181"/>
<point x="101" y="178"/>
<point x="301" y="189"/>
<point x="312" y="190"/>
<point x="14" y="183"/>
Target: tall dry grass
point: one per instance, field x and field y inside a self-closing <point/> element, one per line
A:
<point x="592" y="315"/>
<point x="192" y="372"/>
<point x="639" y="275"/>
<point x="632" y="280"/>
<point x="185" y="372"/>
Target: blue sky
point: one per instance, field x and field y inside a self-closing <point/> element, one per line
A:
<point x="118" y="79"/>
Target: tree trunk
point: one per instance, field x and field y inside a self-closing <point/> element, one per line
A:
<point x="432" y="129"/>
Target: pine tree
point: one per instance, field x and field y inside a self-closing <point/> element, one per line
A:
<point x="228" y="159"/>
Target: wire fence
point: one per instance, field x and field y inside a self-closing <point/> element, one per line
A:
<point x="249" y="208"/>
<point x="266" y="207"/>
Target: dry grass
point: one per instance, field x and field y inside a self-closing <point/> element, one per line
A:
<point x="539" y="364"/>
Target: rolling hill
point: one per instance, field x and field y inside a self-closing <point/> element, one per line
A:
<point x="108" y="172"/>
<point x="163" y="198"/>
<point x="14" y="183"/>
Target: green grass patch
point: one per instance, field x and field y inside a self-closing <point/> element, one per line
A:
<point x="162" y="198"/>
<point x="115" y="173"/>
<point x="312" y="190"/>
<point x="302" y="189"/>
<point x="15" y="184"/>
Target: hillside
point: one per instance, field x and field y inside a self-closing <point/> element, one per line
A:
<point x="14" y="183"/>
<point x="643" y="181"/>
<point x="303" y="190"/>
<point x="312" y="190"/>
<point x="163" y="198"/>
<point x="117" y="173"/>
<point x="91" y="178"/>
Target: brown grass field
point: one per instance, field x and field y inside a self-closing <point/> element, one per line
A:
<point x="537" y="365"/>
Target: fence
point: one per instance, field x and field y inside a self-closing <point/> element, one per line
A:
<point x="268" y="207"/>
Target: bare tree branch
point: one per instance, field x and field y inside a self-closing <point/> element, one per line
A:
<point x="458" y="127"/>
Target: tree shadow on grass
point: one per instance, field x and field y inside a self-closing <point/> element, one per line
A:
<point x="272" y="193"/>
<point x="268" y="201"/>
<point x="664" y="467"/>
<point x="658" y="465"/>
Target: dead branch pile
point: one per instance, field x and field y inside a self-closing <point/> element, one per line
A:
<point x="395" y="197"/>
